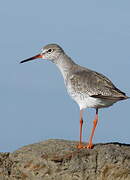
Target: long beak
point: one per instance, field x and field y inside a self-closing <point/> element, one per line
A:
<point x="32" y="58"/>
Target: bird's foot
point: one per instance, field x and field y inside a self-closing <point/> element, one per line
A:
<point x="80" y="146"/>
<point x="89" y="146"/>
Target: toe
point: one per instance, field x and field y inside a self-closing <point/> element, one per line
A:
<point x="90" y="146"/>
<point x="80" y="146"/>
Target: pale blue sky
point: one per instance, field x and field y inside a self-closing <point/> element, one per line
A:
<point x="34" y="104"/>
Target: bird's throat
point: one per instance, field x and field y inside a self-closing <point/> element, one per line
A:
<point x="65" y="64"/>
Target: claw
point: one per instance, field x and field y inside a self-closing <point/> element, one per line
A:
<point x="90" y="146"/>
<point x="80" y="146"/>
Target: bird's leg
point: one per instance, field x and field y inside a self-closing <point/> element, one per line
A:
<point x="79" y="146"/>
<point x="90" y="145"/>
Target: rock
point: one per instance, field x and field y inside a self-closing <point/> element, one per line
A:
<point x="60" y="160"/>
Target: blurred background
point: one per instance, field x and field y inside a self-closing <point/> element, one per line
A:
<point x="34" y="105"/>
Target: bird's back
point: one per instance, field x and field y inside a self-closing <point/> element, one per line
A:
<point x="87" y="83"/>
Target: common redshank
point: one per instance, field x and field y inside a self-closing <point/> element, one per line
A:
<point x="88" y="88"/>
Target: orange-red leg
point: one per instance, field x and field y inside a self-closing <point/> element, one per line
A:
<point x="81" y="124"/>
<point x="90" y="144"/>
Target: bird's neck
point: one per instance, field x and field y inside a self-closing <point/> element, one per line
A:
<point x="65" y="64"/>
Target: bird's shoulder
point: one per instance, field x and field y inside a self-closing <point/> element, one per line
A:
<point x="92" y="78"/>
<point x="94" y="83"/>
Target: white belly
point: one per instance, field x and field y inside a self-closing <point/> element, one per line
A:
<point x="85" y="101"/>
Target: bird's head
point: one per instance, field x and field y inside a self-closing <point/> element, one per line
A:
<point x="49" y="52"/>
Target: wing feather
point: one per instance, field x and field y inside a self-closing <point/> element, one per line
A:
<point x="95" y="85"/>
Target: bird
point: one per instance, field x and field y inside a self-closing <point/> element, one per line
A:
<point x="88" y="88"/>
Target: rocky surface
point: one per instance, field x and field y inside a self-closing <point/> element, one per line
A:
<point x="60" y="160"/>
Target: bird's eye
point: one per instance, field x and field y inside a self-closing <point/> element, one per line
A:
<point x="49" y="50"/>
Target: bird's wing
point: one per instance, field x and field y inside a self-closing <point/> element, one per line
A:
<point x="95" y="85"/>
